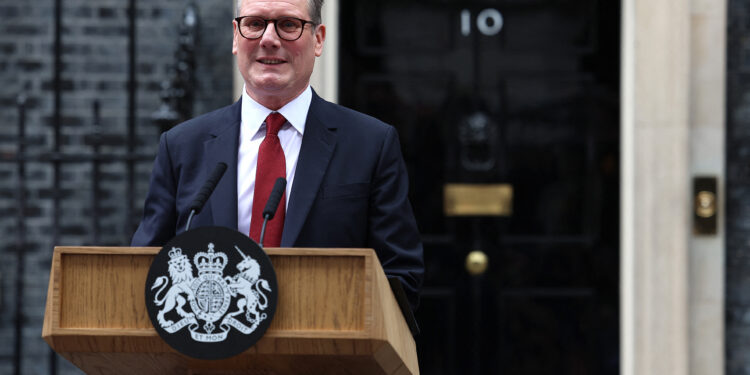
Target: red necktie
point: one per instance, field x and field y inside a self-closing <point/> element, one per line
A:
<point x="271" y="165"/>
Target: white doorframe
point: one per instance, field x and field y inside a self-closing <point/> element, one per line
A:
<point x="672" y="129"/>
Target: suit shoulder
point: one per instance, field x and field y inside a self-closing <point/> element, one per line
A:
<point x="347" y="118"/>
<point x="211" y="123"/>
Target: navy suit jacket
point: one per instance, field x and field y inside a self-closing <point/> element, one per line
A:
<point x="350" y="187"/>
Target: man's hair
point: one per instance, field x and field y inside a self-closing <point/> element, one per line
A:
<point x="315" y="8"/>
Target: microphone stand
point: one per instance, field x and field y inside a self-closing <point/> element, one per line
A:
<point x="263" y="230"/>
<point x="205" y="192"/>
<point x="271" y="205"/>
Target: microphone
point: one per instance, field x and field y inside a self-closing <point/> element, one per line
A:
<point x="272" y="204"/>
<point x="205" y="192"/>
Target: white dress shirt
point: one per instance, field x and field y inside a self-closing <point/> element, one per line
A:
<point x="252" y="133"/>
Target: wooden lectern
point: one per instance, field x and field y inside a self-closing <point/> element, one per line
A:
<point x="336" y="315"/>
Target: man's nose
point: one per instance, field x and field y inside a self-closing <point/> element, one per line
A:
<point x="270" y="38"/>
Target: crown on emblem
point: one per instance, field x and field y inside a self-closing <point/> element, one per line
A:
<point x="176" y="256"/>
<point x="210" y="262"/>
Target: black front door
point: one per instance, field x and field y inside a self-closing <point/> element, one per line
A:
<point x="520" y="94"/>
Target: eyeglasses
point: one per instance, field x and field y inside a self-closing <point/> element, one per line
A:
<point x="287" y="28"/>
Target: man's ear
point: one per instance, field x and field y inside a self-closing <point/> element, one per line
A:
<point x="234" y="38"/>
<point x="320" y="37"/>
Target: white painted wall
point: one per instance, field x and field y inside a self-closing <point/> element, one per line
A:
<point x="325" y="76"/>
<point x="708" y="30"/>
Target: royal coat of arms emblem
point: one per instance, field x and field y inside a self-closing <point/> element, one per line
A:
<point x="209" y="306"/>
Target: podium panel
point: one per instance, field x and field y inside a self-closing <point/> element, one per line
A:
<point x="336" y="315"/>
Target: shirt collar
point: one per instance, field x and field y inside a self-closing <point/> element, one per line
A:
<point x="295" y="112"/>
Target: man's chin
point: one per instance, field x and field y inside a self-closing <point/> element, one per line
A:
<point x="268" y="84"/>
<point x="270" y="89"/>
<point x="271" y="94"/>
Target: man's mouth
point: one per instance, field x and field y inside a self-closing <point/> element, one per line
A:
<point x="271" y="61"/>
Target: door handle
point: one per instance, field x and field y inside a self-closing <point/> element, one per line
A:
<point x="477" y="262"/>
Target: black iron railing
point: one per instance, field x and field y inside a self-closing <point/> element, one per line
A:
<point x="57" y="159"/>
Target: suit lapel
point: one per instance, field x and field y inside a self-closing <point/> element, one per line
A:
<point x="223" y="148"/>
<point x="318" y="144"/>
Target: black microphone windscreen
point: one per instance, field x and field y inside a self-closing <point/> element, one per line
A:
<point x="273" y="200"/>
<point x="208" y="188"/>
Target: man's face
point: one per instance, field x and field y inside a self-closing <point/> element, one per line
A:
<point x="277" y="70"/>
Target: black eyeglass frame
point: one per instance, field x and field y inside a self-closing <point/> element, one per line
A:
<point x="275" y="26"/>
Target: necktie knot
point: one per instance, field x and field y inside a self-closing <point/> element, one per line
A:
<point x="274" y="122"/>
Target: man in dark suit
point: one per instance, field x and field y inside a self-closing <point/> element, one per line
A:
<point x="347" y="182"/>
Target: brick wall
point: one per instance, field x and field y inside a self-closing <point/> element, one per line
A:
<point x="95" y="66"/>
<point x="738" y="189"/>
